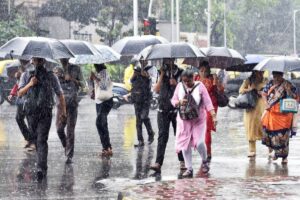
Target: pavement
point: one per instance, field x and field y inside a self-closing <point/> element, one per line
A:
<point x="126" y="175"/>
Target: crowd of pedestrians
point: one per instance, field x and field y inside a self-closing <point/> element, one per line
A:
<point x="187" y="101"/>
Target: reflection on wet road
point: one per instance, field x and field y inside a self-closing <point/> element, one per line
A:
<point x="128" y="170"/>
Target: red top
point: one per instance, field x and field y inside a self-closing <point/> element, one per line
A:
<point x="211" y="88"/>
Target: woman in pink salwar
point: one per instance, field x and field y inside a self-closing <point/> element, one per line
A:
<point x="191" y="133"/>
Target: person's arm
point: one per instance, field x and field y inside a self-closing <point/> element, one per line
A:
<point x="59" y="92"/>
<point x="175" y="99"/>
<point x="159" y="82"/>
<point x="244" y="87"/>
<point x="14" y="90"/>
<point x="23" y="90"/>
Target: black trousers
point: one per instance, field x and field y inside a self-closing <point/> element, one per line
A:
<point x="103" y="110"/>
<point x="142" y="116"/>
<point x="164" y="119"/>
<point x="20" y="119"/>
<point x="68" y="139"/>
<point x="39" y="126"/>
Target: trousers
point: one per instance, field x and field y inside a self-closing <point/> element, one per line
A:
<point x="142" y="117"/>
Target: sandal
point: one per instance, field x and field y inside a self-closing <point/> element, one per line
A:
<point x="251" y="154"/>
<point x="156" y="167"/>
<point x="205" y="167"/>
<point x="188" y="174"/>
<point x="182" y="165"/>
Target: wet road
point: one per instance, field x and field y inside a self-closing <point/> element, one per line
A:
<point x="232" y="175"/>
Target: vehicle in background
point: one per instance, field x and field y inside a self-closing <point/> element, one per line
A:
<point x="119" y="91"/>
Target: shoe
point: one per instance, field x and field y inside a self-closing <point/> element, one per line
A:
<point x="140" y="144"/>
<point x="69" y="160"/>
<point x="156" y="167"/>
<point x="27" y="144"/>
<point x="106" y="152"/>
<point x="182" y="165"/>
<point x="251" y="154"/>
<point x="188" y="174"/>
<point x="205" y="167"/>
<point x="151" y="138"/>
<point x="31" y="147"/>
<point x="109" y="151"/>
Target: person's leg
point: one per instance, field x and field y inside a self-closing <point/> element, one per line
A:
<point x="20" y="119"/>
<point x="139" y="122"/>
<point x="252" y="148"/>
<point x="72" y="113"/>
<point x="32" y="126"/>
<point x="201" y="148"/>
<point x="187" y="154"/>
<point x="102" y="123"/>
<point x="163" y="121"/>
<point x="43" y="128"/>
<point x="208" y="143"/>
<point x="147" y="122"/>
<point x="60" y="127"/>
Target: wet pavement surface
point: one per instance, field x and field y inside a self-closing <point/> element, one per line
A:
<point x="232" y="174"/>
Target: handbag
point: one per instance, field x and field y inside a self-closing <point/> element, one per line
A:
<point x="189" y="111"/>
<point x="222" y="99"/>
<point x="247" y="100"/>
<point x="288" y="105"/>
<point x="104" y="95"/>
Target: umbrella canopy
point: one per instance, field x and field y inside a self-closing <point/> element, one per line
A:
<point x="172" y="50"/>
<point x="104" y="54"/>
<point x="78" y="47"/>
<point x="251" y="61"/>
<point x="130" y="46"/>
<point x="36" y="47"/>
<point x="279" y="64"/>
<point x="222" y="57"/>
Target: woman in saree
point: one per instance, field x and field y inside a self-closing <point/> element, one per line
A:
<point x="252" y="117"/>
<point x="191" y="133"/>
<point x="276" y="124"/>
<point x="213" y="85"/>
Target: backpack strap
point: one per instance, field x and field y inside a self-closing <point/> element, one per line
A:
<point x="191" y="89"/>
<point x="194" y="88"/>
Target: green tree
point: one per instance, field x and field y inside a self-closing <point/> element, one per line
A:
<point x="13" y="28"/>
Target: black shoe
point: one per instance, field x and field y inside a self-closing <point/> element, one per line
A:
<point x="188" y="174"/>
<point x="151" y="138"/>
<point x="140" y="144"/>
<point x="69" y="160"/>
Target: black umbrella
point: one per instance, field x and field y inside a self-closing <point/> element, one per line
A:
<point x="130" y="46"/>
<point x="79" y="47"/>
<point x="35" y="47"/>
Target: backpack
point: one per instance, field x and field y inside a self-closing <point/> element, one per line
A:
<point x="141" y="89"/>
<point x="189" y="111"/>
<point x="40" y="96"/>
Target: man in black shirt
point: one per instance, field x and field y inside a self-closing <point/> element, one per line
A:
<point x="141" y="96"/>
<point x="169" y="77"/>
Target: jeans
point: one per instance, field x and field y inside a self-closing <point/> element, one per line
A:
<point x="164" y="119"/>
<point x="103" y="110"/>
<point x="39" y="125"/>
<point x="20" y="119"/>
<point x="68" y="139"/>
<point x="142" y="116"/>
